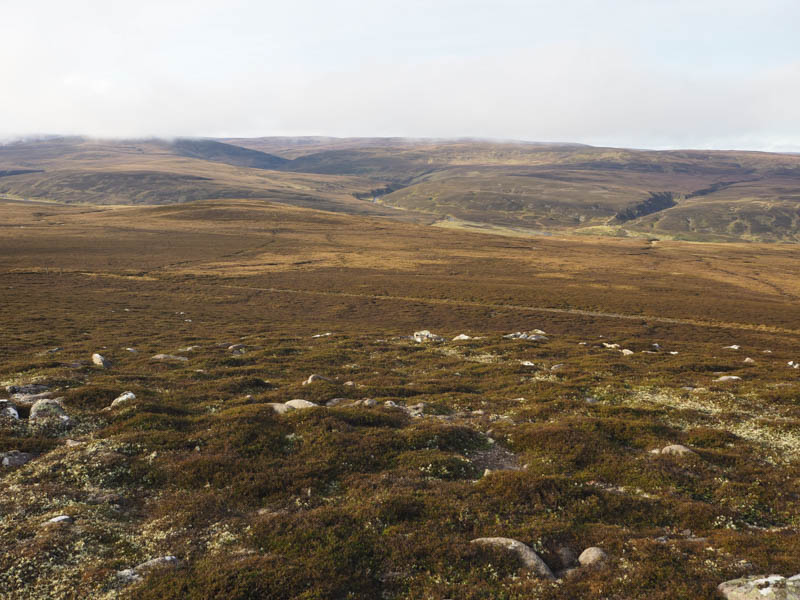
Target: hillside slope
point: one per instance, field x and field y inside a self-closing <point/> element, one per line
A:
<point x="512" y="187"/>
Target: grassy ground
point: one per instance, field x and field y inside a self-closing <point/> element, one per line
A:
<point x="371" y="501"/>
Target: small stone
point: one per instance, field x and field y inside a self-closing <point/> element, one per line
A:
<point x="748" y="361"/>
<point x="236" y="348"/>
<point x="122" y="399"/>
<point x="15" y="458"/>
<point x="61" y="519"/>
<point x="728" y="378"/>
<point x="529" y="558"/>
<point x="131" y="350"/>
<point x="592" y="556"/>
<point x="278" y="407"/>
<point x="369" y="402"/>
<point x="314" y="377"/>
<point x="461" y="337"/>
<point x="100" y="361"/>
<point x="626" y="352"/>
<point x="731" y="347"/>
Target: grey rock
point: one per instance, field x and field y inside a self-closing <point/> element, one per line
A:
<point x="299" y="404"/>
<point x="15" y="458"/>
<point x="48" y="408"/>
<point x="768" y="587"/>
<point x="529" y="558"/>
<point x="369" y="402"/>
<point x="100" y="361"/>
<point x="592" y="556"/>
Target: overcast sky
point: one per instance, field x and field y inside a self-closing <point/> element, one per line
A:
<point x="634" y="73"/>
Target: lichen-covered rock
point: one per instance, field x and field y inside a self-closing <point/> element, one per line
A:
<point x="48" y="408"/>
<point x="529" y="558"/>
<point x="592" y="556"/>
<point x="15" y="458"/>
<point x="771" y="587"/>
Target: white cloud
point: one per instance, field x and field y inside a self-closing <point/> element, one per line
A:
<point x="677" y="73"/>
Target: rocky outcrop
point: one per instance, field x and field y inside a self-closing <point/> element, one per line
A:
<point x="762" y="587"/>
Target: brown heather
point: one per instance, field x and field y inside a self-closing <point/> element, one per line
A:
<point x="369" y="502"/>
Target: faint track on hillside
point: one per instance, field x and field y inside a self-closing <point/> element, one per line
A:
<point x="519" y="307"/>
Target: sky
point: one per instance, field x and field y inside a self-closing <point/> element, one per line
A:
<point x="629" y="73"/>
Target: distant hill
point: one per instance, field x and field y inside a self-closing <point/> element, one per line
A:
<point x="226" y="153"/>
<point x="498" y="186"/>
